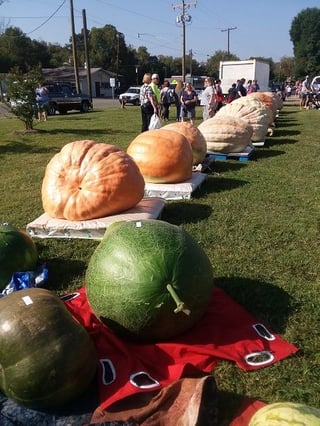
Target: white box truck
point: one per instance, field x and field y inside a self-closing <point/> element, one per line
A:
<point x="251" y="69"/>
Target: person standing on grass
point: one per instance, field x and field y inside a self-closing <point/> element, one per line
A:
<point x="304" y="94"/>
<point x="178" y="91"/>
<point x="165" y="100"/>
<point x="42" y="100"/>
<point x="241" y="90"/>
<point x="208" y="99"/>
<point x="148" y="103"/>
<point x="189" y="101"/>
<point x="155" y="87"/>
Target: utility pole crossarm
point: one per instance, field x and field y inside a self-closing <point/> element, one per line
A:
<point x="184" y="5"/>
<point x="228" y="30"/>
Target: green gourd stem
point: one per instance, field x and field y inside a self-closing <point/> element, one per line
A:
<point x="180" y="304"/>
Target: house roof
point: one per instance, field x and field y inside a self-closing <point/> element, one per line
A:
<point x="67" y="73"/>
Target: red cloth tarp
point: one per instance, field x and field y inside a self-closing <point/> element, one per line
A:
<point x="226" y="332"/>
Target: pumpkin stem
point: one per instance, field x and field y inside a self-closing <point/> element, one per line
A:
<point x="180" y="304"/>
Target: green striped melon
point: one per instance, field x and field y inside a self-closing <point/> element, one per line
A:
<point x="285" y="414"/>
<point x="149" y="280"/>
<point x="18" y="253"/>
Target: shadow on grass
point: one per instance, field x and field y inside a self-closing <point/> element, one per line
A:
<point x="180" y="212"/>
<point x="230" y="405"/>
<point x="22" y="148"/>
<point x="224" y="166"/>
<point x="62" y="271"/>
<point x="215" y="184"/>
<point x="265" y="301"/>
<point x="88" y="133"/>
<point x="286" y="132"/>
<point x="267" y="153"/>
<point x="282" y="141"/>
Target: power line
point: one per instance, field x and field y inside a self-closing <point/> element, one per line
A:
<point x="47" y="20"/>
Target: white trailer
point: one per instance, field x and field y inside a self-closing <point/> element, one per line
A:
<point x="251" y="69"/>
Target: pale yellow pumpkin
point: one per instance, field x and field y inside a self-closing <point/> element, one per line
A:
<point x="253" y="113"/>
<point x="226" y="134"/>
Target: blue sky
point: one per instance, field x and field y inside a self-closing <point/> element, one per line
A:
<point x="262" y="26"/>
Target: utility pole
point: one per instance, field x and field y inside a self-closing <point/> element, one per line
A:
<point x="74" y="49"/>
<point x="182" y="19"/>
<point x="228" y="30"/>
<point x="86" y="50"/>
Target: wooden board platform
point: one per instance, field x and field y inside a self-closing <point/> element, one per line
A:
<point x="175" y="191"/>
<point x="47" y="227"/>
<point x="240" y="156"/>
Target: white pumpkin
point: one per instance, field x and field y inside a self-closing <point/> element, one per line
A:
<point x="226" y="134"/>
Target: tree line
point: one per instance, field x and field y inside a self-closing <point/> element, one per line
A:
<point x="108" y="50"/>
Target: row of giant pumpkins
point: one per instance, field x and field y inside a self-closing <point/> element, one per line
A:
<point x="87" y="180"/>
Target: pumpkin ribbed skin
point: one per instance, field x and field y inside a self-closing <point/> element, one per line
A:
<point x="47" y="358"/>
<point x="163" y="156"/>
<point x="226" y="133"/>
<point x="269" y="99"/>
<point x="194" y="137"/>
<point x="87" y="180"/>
<point x="286" y="414"/>
<point x="255" y="116"/>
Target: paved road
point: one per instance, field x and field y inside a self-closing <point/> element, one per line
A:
<point x="103" y="103"/>
<point x="5" y="111"/>
<point x="98" y="104"/>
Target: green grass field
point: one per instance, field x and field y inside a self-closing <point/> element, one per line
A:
<point x="258" y="221"/>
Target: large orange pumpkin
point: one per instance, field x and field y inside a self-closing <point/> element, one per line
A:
<point x="194" y="137"/>
<point x="163" y="156"/>
<point x="87" y="180"/>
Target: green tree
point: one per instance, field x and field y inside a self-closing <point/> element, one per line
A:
<point x="22" y="91"/>
<point x="213" y="63"/>
<point x="305" y="36"/>
<point x="59" y="55"/>
<point x="18" y="50"/>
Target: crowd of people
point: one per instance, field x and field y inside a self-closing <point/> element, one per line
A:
<point x="159" y="99"/>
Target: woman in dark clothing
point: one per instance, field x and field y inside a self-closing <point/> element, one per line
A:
<point x="189" y="101"/>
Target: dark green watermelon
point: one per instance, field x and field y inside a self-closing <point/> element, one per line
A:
<point x="149" y="280"/>
<point x="18" y="253"/>
<point x="47" y="358"/>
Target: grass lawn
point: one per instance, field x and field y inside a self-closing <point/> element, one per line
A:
<point x="258" y="221"/>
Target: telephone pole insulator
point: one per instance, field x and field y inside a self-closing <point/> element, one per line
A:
<point x="182" y="19"/>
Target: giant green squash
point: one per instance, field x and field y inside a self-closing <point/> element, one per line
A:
<point x="18" y="253"/>
<point x="149" y="280"/>
<point x="47" y="359"/>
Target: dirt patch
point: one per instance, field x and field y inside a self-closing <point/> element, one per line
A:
<point x="24" y="132"/>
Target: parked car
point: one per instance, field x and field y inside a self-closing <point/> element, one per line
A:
<point x="131" y="96"/>
<point x="316" y="83"/>
<point x="63" y="99"/>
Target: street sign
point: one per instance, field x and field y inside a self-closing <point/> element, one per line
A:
<point x="112" y="82"/>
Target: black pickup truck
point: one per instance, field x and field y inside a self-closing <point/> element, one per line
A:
<point x="63" y="99"/>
